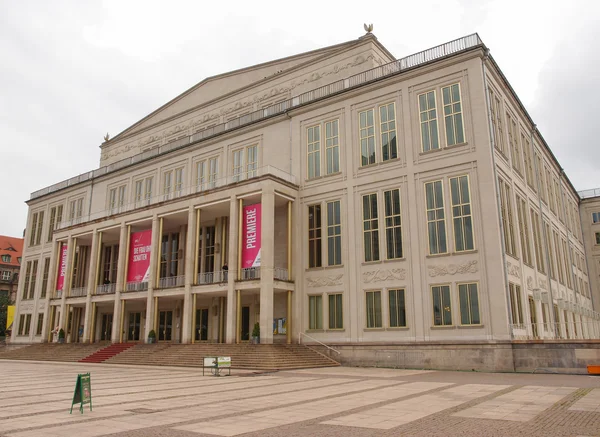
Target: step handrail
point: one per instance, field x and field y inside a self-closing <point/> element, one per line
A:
<point x="320" y="342"/>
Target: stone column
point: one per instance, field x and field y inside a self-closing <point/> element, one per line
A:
<point x="92" y="281"/>
<point x="267" y="263"/>
<point x="51" y="289"/>
<point x="190" y="246"/>
<point x="116" y="333"/>
<point x="230" y="328"/>
<point x="154" y="258"/>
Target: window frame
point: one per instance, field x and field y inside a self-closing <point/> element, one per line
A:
<point x="428" y="121"/>
<point x="334" y="232"/>
<point x="374" y="315"/>
<point x="337" y="296"/>
<point x="372" y="231"/>
<point x="462" y="217"/>
<point x="436" y="220"/>
<point x="453" y="115"/>
<point x="431" y="291"/>
<point x="315" y="242"/>
<point x="396" y="229"/>
<point x="468" y="284"/>
<point x="318" y="325"/>
<point x="398" y="311"/>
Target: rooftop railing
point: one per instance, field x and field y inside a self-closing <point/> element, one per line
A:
<point x="585" y="194"/>
<point x="394" y="67"/>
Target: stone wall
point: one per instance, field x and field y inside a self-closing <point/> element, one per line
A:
<point x="532" y="356"/>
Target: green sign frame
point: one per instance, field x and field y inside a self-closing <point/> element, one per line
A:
<point x="83" y="392"/>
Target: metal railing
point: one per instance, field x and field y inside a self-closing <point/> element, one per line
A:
<point x="589" y="193"/>
<point x="589" y="329"/>
<point x="199" y="187"/>
<point x="78" y="292"/>
<point x="136" y="286"/>
<point x="250" y="273"/>
<point x="106" y="288"/>
<point x="394" y="67"/>
<point x="57" y="294"/>
<point x="316" y="341"/>
<point x="281" y="274"/>
<point x="217" y="277"/>
<point x="171" y="281"/>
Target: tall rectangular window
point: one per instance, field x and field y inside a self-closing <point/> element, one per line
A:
<point x="367" y="137"/>
<point x="496" y="116"/>
<point x="32" y="235"/>
<point x="21" y="324"/>
<point x="455" y="133"/>
<point x="397" y="306"/>
<point x="167" y="183"/>
<point x="27" y="280"/>
<point x="374" y="318"/>
<point x="315" y="312"/>
<point x="34" y="270"/>
<point x="516" y="306"/>
<point x="393" y="224"/>
<point x="557" y="200"/>
<point x="540" y="176"/>
<point x="139" y="191"/>
<point x="148" y="189"/>
<point x="314" y="151"/>
<point x="370" y="228"/>
<point x="461" y="213"/>
<point x="568" y="270"/>
<point x="537" y="239"/>
<point x="428" y="120"/>
<point x="55" y="219"/>
<point x="40" y="324"/>
<point x="507" y="217"/>
<point x="27" y="324"/>
<point x="469" y="304"/>
<point x="387" y="120"/>
<point x="178" y="181"/>
<point x="334" y="234"/>
<point x="559" y="259"/>
<point x="550" y="193"/>
<point x="596" y="217"/>
<point x="442" y="307"/>
<point x="524" y="231"/>
<point x="548" y="241"/>
<point x="45" y="278"/>
<point x="513" y="141"/>
<point x="528" y="162"/>
<point x="314" y="236"/>
<point x="252" y="161"/>
<point x="201" y="175"/>
<point x="332" y="147"/>
<point x="213" y="172"/>
<point x="436" y="220"/>
<point x="38" y="237"/>
<point x="336" y="318"/>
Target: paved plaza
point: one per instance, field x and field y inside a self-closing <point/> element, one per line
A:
<point x="148" y="401"/>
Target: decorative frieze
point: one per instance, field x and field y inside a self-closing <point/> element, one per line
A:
<point x="513" y="270"/>
<point x="324" y="281"/>
<point x="384" y="275"/>
<point x="452" y="269"/>
<point x="530" y="285"/>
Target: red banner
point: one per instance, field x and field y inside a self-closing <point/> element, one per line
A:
<point x="140" y="246"/>
<point x="62" y="272"/>
<point x="251" y="223"/>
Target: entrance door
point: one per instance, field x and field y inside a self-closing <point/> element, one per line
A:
<point x="201" y="331"/>
<point x="107" y="320"/>
<point x="533" y="318"/>
<point x="245" y="323"/>
<point x="135" y="320"/>
<point x="165" y="325"/>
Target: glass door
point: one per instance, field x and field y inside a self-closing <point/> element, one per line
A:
<point x="165" y="325"/>
<point x="201" y="324"/>
<point x="107" y="321"/>
<point x="135" y="319"/>
<point x="245" y="323"/>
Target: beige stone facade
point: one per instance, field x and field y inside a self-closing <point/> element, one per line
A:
<point x="399" y="203"/>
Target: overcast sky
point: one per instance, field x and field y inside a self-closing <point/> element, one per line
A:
<point x="70" y="71"/>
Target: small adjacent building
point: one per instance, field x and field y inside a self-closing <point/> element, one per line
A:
<point x="11" y="252"/>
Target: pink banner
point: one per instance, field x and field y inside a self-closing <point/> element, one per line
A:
<point x="140" y="246"/>
<point x="60" y="280"/>
<point x="251" y="223"/>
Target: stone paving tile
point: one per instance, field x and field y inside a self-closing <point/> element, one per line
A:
<point x="520" y="405"/>
<point x="363" y="372"/>
<point x="288" y="415"/>
<point x="399" y="413"/>
<point x="590" y="402"/>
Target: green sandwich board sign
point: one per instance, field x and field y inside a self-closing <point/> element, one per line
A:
<point x="83" y="392"/>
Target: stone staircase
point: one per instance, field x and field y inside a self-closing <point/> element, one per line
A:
<point x="243" y="356"/>
<point x="106" y="353"/>
<point x="52" y="352"/>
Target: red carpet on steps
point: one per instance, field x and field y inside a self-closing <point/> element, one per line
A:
<point x="106" y="353"/>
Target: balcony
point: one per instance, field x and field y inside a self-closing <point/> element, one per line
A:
<point x="250" y="274"/>
<point x="383" y="71"/>
<point x="78" y="292"/>
<point x="171" y="281"/>
<point x="198" y="187"/>
<point x="106" y="289"/>
<point x="217" y="277"/>
<point x="136" y="286"/>
<point x="281" y="274"/>
<point x="57" y="294"/>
